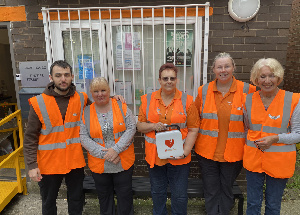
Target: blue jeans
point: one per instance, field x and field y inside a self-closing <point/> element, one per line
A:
<point x="177" y="178"/>
<point x="273" y="193"/>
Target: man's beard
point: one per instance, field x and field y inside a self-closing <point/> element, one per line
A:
<point x="61" y="89"/>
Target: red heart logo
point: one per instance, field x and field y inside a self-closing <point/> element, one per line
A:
<point x="169" y="143"/>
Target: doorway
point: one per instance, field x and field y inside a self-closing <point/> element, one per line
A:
<point x="7" y="84"/>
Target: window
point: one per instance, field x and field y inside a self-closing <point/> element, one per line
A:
<point x="101" y="42"/>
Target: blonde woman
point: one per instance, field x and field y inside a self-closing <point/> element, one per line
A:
<point x="272" y="117"/>
<point x="106" y="132"/>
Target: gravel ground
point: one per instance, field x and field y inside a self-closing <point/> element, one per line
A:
<point x="31" y="204"/>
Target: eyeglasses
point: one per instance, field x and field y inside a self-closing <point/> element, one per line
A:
<point x="165" y="79"/>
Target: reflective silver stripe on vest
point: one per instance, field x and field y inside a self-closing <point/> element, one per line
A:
<point x="183" y="102"/>
<point x="236" y="135"/>
<point x="58" y="145"/>
<point x="234" y="117"/>
<point x="246" y="88"/>
<point x="82" y="104"/>
<point x="52" y="146"/>
<point x="181" y="125"/>
<point x="148" y="104"/>
<point x="215" y="134"/>
<point x="121" y="109"/>
<point x="204" y="94"/>
<point x="255" y="127"/>
<point x="208" y="132"/>
<point x="73" y="140"/>
<point x="209" y="116"/>
<point x="274" y="148"/>
<point x="72" y="124"/>
<point x="285" y="117"/>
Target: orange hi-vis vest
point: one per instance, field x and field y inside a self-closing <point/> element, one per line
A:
<point x="59" y="149"/>
<point x="91" y="121"/>
<point x="179" y="115"/>
<point x="279" y="160"/>
<point x="206" y="142"/>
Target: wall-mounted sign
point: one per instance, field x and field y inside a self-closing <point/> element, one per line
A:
<point x="180" y="47"/>
<point x="34" y="73"/>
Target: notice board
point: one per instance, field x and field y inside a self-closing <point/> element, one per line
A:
<point x="34" y="73"/>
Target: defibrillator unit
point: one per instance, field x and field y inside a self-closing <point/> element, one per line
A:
<point x="169" y="144"/>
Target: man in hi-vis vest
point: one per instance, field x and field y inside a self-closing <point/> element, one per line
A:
<point x="52" y="147"/>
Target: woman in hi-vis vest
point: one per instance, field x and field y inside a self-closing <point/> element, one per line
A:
<point x="272" y="118"/>
<point x="168" y="106"/>
<point x="220" y="143"/>
<point x="106" y="132"/>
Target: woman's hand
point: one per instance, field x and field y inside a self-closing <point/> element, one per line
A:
<point x="159" y="126"/>
<point x="117" y="160"/>
<point x="111" y="154"/>
<point x="266" y="142"/>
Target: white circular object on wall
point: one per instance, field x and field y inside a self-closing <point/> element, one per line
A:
<point x="243" y="10"/>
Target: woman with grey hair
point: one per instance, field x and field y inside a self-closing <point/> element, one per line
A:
<point x="272" y="118"/>
<point x="220" y="143"/>
<point x="106" y="132"/>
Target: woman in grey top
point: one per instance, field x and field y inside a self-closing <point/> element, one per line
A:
<point x="106" y="132"/>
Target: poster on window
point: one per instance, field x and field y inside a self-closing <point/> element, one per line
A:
<point x="86" y="67"/>
<point x="179" y="47"/>
<point x="127" y="51"/>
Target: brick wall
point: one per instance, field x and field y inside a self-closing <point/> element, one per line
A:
<point x="267" y="36"/>
<point x="292" y="72"/>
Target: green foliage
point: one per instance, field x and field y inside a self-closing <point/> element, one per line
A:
<point x="294" y="182"/>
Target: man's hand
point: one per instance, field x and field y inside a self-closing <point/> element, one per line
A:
<point x="119" y="97"/>
<point x="35" y="174"/>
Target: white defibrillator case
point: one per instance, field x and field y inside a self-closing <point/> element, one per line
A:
<point x="169" y="144"/>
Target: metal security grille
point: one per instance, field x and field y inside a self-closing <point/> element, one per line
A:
<point x="127" y="45"/>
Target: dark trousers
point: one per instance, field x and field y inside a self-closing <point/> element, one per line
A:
<point x="218" y="179"/>
<point x="49" y="187"/>
<point x="120" y="183"/>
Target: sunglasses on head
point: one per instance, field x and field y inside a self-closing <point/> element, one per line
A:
<point x="169" y="78"/>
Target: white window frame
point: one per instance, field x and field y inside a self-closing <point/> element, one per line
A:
<point x="54" y="41"/>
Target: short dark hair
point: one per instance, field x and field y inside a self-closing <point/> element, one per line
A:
<point x="165" y="66"/>
<point x="62" y="64"/>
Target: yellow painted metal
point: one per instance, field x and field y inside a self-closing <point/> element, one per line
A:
<point x="15" y="160"/>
